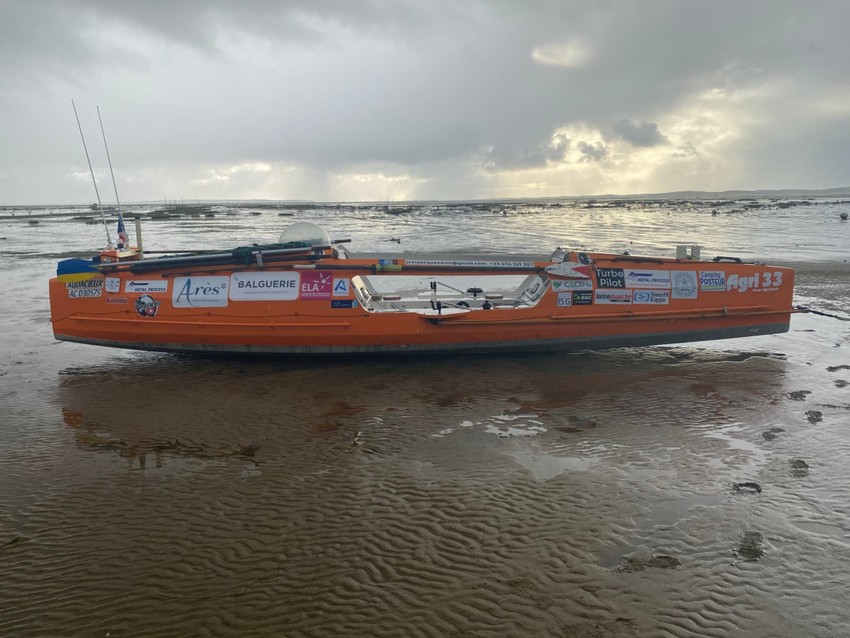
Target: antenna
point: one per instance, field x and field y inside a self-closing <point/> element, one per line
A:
<point x="108" y="159"/>
<point x="94" y="181"/>
<point x="121" y="239"/>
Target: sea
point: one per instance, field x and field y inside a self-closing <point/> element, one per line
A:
<point x="700" y="489"/>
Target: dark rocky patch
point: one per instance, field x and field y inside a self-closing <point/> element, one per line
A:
<point x="747" y="487"/>
<point x="580" y="422"/>
<point x="799" y="468"/>
<point x="840" y="383"/>
<point x="661" y="561"/>
<point x="750" y="547"/>
<point x="17" y="540"/>
<point x="799" y="395"/>
<point x="771" y="434"/>
<point x="837" y="368"/>
<point x="576" y="424"/>
<point x="814" y="416"/>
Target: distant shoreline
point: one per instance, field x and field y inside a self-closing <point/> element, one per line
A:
<point x="696" y="196"/>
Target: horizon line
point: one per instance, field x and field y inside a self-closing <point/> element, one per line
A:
<point x="840" y="191"/>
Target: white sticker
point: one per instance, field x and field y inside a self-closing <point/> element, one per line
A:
<point x="200" y="292"/>
<point x="613" y="296"/>
<point x="572" y="284"/>
<point x="647" y="279"/>
<point x="712" y="280"/>
<point x="340" y="288"/>
<point x="87" y="288"/>
<point x="658" y="297"/>
<point x="264" y="286"/>
<point x="146" y="285"/>
<point x="565" y="299"/>
<point x="684" y="284"/>
<point x="113" y="284"/>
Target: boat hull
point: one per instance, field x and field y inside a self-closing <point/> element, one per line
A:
<point x="567" y="344"/>
<point x="328" y="306"/>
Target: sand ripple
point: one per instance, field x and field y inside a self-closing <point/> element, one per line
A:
<point x="318" y="501"/>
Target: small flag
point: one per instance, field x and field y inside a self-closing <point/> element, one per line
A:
<point x="123" y="238"/>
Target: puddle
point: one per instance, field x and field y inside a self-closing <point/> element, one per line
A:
<point x="665" y="513"/>
<point x="545" y="466"/>
<point x="824" y="529"/>
<point x="668" y="512"/>
<point x="504" y="426"/>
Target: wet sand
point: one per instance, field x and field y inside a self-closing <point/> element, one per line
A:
<point x="687" y="491"/>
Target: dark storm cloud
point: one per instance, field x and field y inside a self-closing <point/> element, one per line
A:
<point x="591" y="152"/>
<point x="496" y="159"/>
<point x="63" y="31"/>
<point x="645" y="134"/>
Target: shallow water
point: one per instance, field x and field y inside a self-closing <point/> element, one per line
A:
<point x="592" y="494"/>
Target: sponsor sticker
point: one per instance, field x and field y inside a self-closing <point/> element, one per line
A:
<point x="117" y="300"/>
<point x="659" y="297"/>
<point x="83" y="289"/>
<point x="341" y="288"/>
<point x="583" y="298"/>
<point x="146" y="285"/>
<point x="572" y="284"/>
<point x="200" y="292"/>
<point x="146" y="306"/>
<point x="610" y="278"/>
<point x="113" y="284"/>
<point x="647" y="279"/>
<point x="343" y="303"/>
<point x="264" y="286"/>
<point x="613" y="296"/>
<point x="565" y="299"/>
<point x="684" y="284"/>
<point x="316" y="284"/>
<point x="769" y="281"/>
<point x="712" y="280"/>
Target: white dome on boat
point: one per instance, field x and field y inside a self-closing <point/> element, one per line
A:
<point x="306" y="233"/>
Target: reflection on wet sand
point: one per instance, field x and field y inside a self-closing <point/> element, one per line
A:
<point x="258" y="409"/>
<point x="485" y="495"/>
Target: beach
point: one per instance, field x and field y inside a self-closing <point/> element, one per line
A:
<point x="692" y="490"/>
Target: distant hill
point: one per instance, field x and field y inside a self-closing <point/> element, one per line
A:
<point x="784" y="193"/>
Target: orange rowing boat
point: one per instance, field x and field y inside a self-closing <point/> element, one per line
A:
<point x="308" y="295"/>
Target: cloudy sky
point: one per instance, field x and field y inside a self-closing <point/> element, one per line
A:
<point x="341" y="100"/>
